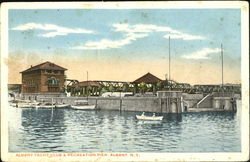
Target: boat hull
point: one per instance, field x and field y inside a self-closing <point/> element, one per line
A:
<point x="29" y="105"/>
<point x="26" y="106"/>
<point x="46" y="106"/>
<point x="149" y="117"/>
<point x="62" y="106"/>
<point x="83" y="107"/>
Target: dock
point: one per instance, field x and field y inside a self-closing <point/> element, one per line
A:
<point x="164" y="102"/>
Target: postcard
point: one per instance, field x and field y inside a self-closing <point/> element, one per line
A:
<point x="125" y="81"/>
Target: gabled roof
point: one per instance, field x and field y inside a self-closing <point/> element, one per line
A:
<point x="46" y="65"/>
<point x="86" y="83"/>
<point x="147" y="78"/>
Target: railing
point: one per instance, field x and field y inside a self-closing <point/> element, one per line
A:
<point x="197" y="105"/>
<point x="53" y="85"/>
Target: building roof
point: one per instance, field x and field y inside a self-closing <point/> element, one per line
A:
<point x="147" y="78"/>
<point x="46" y="65"/>
<point x="86" y="83"/>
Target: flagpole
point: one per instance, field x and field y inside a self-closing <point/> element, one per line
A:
<point x="169" y="62"/>
<point x="222" y="79"/>
<point x="87" y="86"/>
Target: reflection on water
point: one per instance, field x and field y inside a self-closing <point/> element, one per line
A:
<point x="66" y="130"/>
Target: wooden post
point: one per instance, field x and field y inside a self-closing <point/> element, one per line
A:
<point x="167" y="104"/>
<point x="161" y="104"/>
<point x="120" y="104"/>
<point x="96" y="102"/>
<point x="178" y="105"/>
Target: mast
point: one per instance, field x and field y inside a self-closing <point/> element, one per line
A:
<point x="169" y="62"/>
<point x="87" y="86"/>
<point x="222" y="81"/>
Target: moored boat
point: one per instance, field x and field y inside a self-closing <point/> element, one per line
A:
<point x="144" y="117"/>
<point x="61" y="105"/>
<point x="45" y="105"/>
<point x="82" y="105"/>
<point x="25" y="104"/>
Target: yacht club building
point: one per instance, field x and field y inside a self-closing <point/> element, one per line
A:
<point x="45" y="78"/>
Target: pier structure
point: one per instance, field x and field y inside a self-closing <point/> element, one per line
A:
<point x="165" y="84"/>
<point x="164" y="102"/>
<point x="147" y="81"/>
<point x="147" y="93"/>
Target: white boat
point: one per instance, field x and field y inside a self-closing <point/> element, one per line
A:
<point x="82" y="105"/>
<point x="26" y="104"/>
<point x="61" y="105"/>
<point x="144" y="117"/>
<point x="45" y="105"/>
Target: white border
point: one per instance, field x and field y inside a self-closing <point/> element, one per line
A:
<point x="244" y="155"/>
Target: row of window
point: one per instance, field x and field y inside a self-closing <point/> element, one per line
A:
<point x="51" y="81"/>
<point x="34" y="90"/>
<point x="29" y="81"/>
<point x="53" y="71"/>
<point x="30" y="90"/>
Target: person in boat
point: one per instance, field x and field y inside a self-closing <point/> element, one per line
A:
<point x="153" y="114"/>
<point x="142" y="114"/>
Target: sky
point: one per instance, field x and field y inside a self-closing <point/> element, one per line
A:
<point x="124" y="44"/>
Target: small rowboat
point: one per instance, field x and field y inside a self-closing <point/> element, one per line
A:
<point x="45" y="105"/>
<point x="62" y="105"/>
<point x="144" y="117"/>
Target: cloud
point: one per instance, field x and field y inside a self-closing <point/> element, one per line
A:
<point x="149" y="28"/>
<point x="184" y="36"/>
<point x="55" y="30"/>
<point x="132" y="33"/>
<point x="142" y="28"/>
<point x="202" y="54"/>
<point x="107" y="44"/>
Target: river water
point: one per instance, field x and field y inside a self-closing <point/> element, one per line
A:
<point x="68" y="130"/>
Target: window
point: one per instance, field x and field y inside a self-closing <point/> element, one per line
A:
<point x="53" y="81"/>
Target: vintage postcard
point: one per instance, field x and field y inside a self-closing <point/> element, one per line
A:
<point x="125" y="81"/>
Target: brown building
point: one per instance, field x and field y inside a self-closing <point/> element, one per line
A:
<point x="148" y="79"/>
<point x="43" y="78"/>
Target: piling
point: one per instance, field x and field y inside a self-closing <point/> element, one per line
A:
<point x="120" y="104"/>
<point x="161" y="105"/>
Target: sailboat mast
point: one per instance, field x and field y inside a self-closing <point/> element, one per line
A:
<point x="87" y="86"/>
<point x="222" y="81"/>
<point x="169" y="62"/>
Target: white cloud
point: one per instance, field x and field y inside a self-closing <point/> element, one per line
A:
<point x="184" y="36"/>
<point x="142" y="28"/>
<point x="149" y="28"/>
<point x="202" y="54"/>
<point x="132" y="33"/>
<point x="55" y="30"/>
<point x="107" y="44"/>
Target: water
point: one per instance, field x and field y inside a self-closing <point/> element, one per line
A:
<point x="68" y="130"/>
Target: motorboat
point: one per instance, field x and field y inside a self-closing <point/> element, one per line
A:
<point x="83" y="105"/>
<point x="144" y="117"/>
